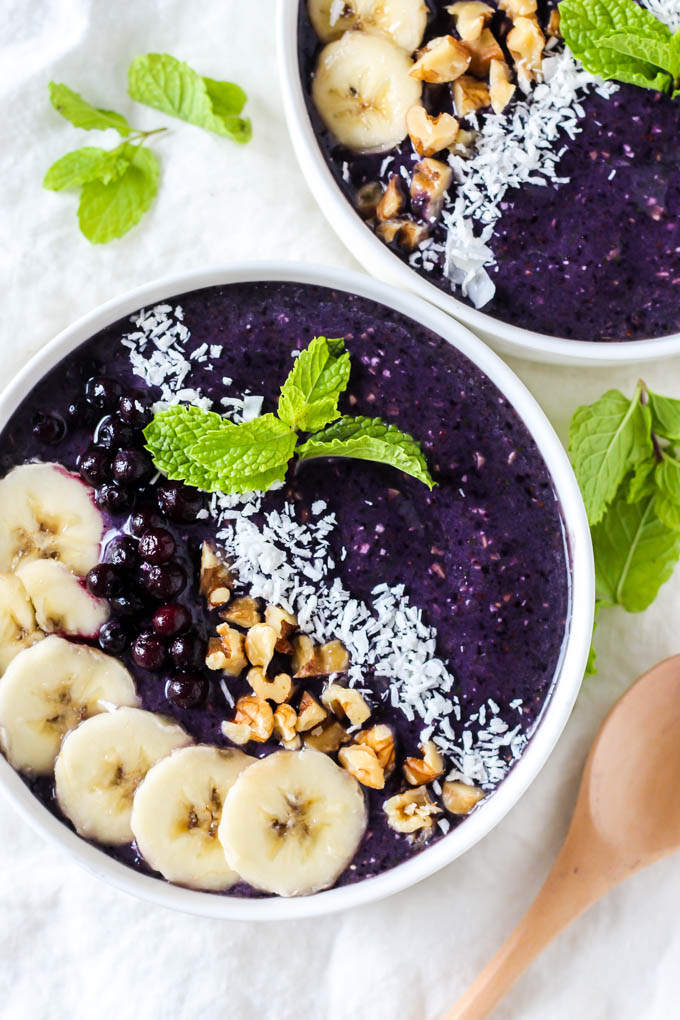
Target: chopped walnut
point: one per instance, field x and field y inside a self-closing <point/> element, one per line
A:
<point x="347" y="703"/>
<point x="253" y="713"/>
<point x="407" y="233"/>
<point x="471" y="17"/>
<point x="216" y="580"/>
<point x="285" y="719"/>
<point x="418" y="771"/>
<point x="465" y="142"/>
<point x="483" y="51"/>
<point x="244" y="612"/>
<point x="367" y="198"/>
<point x="284" y="624"/>
<point x="554" y="23"/>
<point x="310" y="713"/>
<point x="334" y="657"/>
<point x="238" y="733"/>
<point x="518" y="8"/>
<point x="328" y="737"/>
<point x="443" y="59"/>
<point x="430" y="134"/>
<point x="411" y="810"/>
<point x="277" y="690"/>
<point x="233" y="660"/>
<point x="305" y="658"/>
<point x="460" y="798"/>
<point x="501" y="89"/>
<point x="469" y="95"/>
<point x="392" y="201"/>
<point x="381" y="741"/>
<point x="362" y="763"/>
<point x="429" y="182"/>
<point x="260" y="644"/>
<point x="526" y="43"/>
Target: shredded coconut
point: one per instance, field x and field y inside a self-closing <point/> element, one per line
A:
<point x="667" y="11"/>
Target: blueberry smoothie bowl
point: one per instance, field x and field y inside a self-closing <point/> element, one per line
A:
<point x="297" y="591"/>
<point x="462" y="150"/>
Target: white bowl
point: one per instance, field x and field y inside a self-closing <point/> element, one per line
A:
<point x="569" y="671"/>
<point x="381" y="261"/>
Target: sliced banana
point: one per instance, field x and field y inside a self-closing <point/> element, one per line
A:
<point x="292" y="822"/>
<point x="101" y="764"/>
<point x="404" y="21"/>
<point x="176" y="814"/>
<point x="18" y="628"/>
<point x="62" y="602"/>
<point x="363" y="91"/>
<point x="50" y="688"/>
<point x="48" y="513"/>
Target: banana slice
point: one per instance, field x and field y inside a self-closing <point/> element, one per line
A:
<point x="363" y="91"/>
<point x="48" y="513"/>
<point x="101" y="764"/>
<point x="176" y="814"/>
<point x="18" y="628"/>
<point x="292" y="822"/>
<point x="404" y="21"/>
<point x="50" y="688"/>
<point x="62" y="603"/>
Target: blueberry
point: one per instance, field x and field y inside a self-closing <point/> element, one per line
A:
<point x="170" y="620"/>
<point x="102" y="392"/>
<point x="94" y="466"/>
<point x="133" y="409"/>
<point x="48" y="427"/>
<point x="132" y="466"/>
<point x="164" y="581"/>
<point x="179" y="502"/>
<point x="113" y="637"/>
<point x="187" y="650"/>
<point x="148" y="651"/>
<point x="114" y="498"/>
<point x="143" y="519"/>
<point x="104" y="580"/>
<point x="129" y="604"/>
<point x="122" y="552"/>
<point x="80" y="414"/>
<point x="186" y="690"/>
<point x="156" y="545"/>
<point x="111" y="433"/>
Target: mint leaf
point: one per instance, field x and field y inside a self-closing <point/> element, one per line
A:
<point x="667" y="502"/>
<point x="82" y="114"/>
<point x="108" y="211"/>
<point x="591" y="664"/>
<point x="369" y="439"/>
<point x="635" y="554"/>
<point x="171" y="434"/>
<point x="87" y="164"/>
<point x="239" y="457"/>
<point x="642" y="482"/>
<point x="309" y="396"/>
<point x="665" y="416"/>
<point x="661" y="54"/>
<point x="606" y="440"/>
<point x="170" y="85"/>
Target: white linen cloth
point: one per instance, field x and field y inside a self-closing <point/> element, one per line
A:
<point x="69" y="944"/>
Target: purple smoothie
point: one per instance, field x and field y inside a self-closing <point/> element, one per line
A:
<point x="596" y="258"/>
<point x="483" y="555"/>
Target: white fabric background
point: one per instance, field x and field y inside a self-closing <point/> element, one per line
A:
<point x="71" y="946"/>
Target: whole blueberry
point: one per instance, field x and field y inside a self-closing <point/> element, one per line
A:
<point x="103" y="580"/>
<point x="103" y="392"/>
<point x="132" y="466"/>
<point x="113" y="637"/>
<point x="129" y="603"/>
<point x="80" y="414"/>
<point x="187" y="650"/>
<point x="171" y="620"/>
<point x="179" y="502"/>
<point x="94" y="466"/>
<point x="113" y="497"/>
<point x="143" y="519"/>
<point x="112" y="433"/>
<point x="157" y="545"/>
<point x="122" y="552"/>
<point x="48" y="427"/>
<point x="164" y="581"/>
<point x="148" y="651"/>
<point x="187" y="689"/>
<point x="134" y="409"/>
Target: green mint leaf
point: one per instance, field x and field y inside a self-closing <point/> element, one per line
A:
<point x="585" y="24"/>
<point x="169" y="85"/>
<point x="369" y="439"/>
<point x="87" y="164"/>
<point x="635" y="554"/>
<point x="309" y="396"/>
<point x="108" y="211"/>
<point x="606" y="440"/>
<point x="169" y="436"/>
<point x="651" y="51"/>
<point x="642" y="482"/>
<point x="591" y="664"/>
<point x="667" y="502"/>
<point x="240" y="457"/>
<point x="665" y="416"/>
<point x="82" y="114"/>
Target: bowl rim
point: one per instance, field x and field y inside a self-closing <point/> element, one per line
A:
<point x="575" y="649"/>
<point x="381" y="261"/>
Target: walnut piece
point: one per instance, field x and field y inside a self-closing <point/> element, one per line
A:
<point x="380" y="739"/>
<point x="254" y="714"/>
<point x="407" y="233"/>
<point x="216" y="580"/>
<point x="260" y="644"/>
<point x="285" y="719"/>
<point x="554" y="23"/>
<point x="310" y="713"/>
<point x="501" y="89"/>
<point x="284" y="624"/>
<point x="346" y="703"/>
<point x="243" y="612"/>
<point x="232" y="660"/>
<point x="334" y="657"/>
<point x="328" y="737"/>
<point x="418" y="771"/>
<point x="367" y="198"/>
<point x="471" y="17"/>
<point x="460" y="798"/>
<point x="411" y="810"/>
<point x="277" y="690"/>
<point x="429" y="182"/>
<point x="238" y="733"/>
<point x="430" y="134"/>
<point x="483" y="51"/>
<point x="469" y="95"/>
<point x="362" y="763"/>
<point x="392" y="201"/>
<point x="305" y="659"/>
<point x="443" y="59"/>
<point x="526" y="43"/>
<point x="518" y="8"/>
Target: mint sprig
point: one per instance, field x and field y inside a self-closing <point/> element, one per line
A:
<point x="211" y="453"/>
<point x="618" y="39"/>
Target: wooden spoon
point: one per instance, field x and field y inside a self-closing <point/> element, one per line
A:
<point x="627" y="816"/>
